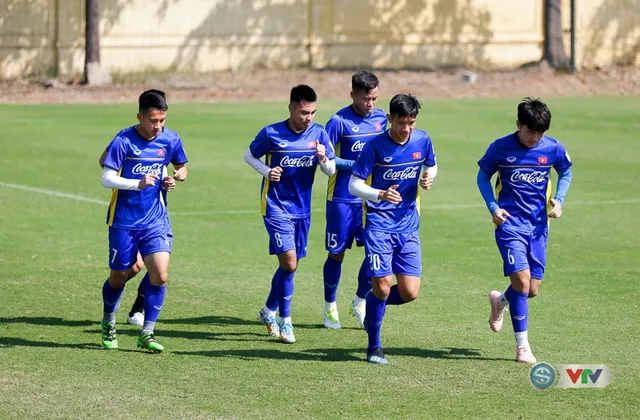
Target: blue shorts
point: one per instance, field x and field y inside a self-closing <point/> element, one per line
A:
<point x="287" y="234"/>
<point x="522" y="251"/>
<point x="124" y="244"/>
<point x="344" y="224"/>
<point x="393" y="253"/>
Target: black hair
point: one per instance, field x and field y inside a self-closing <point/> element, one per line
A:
<point x="364" y="81"/>
<point x="535" y="114"/>
<point x="152" y="98"/>
<point x="303" y="93"/>
<point x="404" y="105"/>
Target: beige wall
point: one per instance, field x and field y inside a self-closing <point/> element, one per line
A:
<point x="46" y="36"/>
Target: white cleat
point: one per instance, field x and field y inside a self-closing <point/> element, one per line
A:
<point x="496" y="317"/>
<point x="524" y="355"/>
<point x="359" y="312"/>
<point x="286" y="334"/>
<point x="136" y="319"/>
<point x="332" y="319"/>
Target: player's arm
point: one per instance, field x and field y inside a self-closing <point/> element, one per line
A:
<point x="111" y="179"/>
<point x="334" y="130"/>
<point x="102" y="158"/>
<point x="564" y="181"/>
<point x="258" y="148"/>
<point x="326" y="155"/>
<point x="180" y="172"/>
<point x="484" y="185"/>
<point x="359" y="188"/>
<point x="428" y="175"/>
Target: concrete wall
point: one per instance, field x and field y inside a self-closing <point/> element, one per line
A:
<point x="46" y="36"/>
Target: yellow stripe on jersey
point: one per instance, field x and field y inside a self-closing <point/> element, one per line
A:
<point x="362" y="135"/>
<point x="112" y="203"/>
<point x="549" y="190"/>
<point x="418" y="200"/>
<point x="333" y="178"/>
<point x="146" y="159"/>
<point x="265" y="187"/>
<point x="497" y="192"/>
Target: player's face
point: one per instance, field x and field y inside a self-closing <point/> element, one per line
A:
<point x="364" y="102"/>
<point x="151" y="123"/>
<point x="401" y="127"/>
<point x="301" y="115"/>
<point x="528" y="137"/>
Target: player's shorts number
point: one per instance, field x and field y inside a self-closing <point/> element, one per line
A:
<point x="510" y="258"/>
<point x="374" y="261"/>
<point x="115" y="252"/>
<point x="332" y="240"/>
<point x="278" y="239"/>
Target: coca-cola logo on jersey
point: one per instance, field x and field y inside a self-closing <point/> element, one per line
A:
<point x="301" y="162"/>
<point x="407" y="173"/>
<point x="357" y="146"/>
<point x="140" y="169"/>
<point x="535" y="177"/>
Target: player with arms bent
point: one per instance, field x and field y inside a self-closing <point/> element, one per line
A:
<point x="523" y="161"/>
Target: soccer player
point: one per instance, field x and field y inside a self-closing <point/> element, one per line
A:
<point x="293" y="149"/>
<point x="180" y="173"/>
<point x="137" y="217"/>
<point x="523" y="161"/>
<point x="349" y="130"/>
<point x="391" y="164"/>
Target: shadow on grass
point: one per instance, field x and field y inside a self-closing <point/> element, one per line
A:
<point x="21" y="342"/>
<point x="47" y="320"/>
<point x="214" y="320"/>
<point x="343" y="355"/>
<point x="190" y="335"/>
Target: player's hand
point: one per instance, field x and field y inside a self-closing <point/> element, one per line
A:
<point x="426" y="181"/>
<point x="321" y="151"/>
<point x="500" y="216"/>
<point x="274" y="174"/>
<point x="180" y="174"/>
<point x="147" y="181"/>
<point x="556" y="209"/>
<point x="390" y="195"/>
<point x="168" y="183"/>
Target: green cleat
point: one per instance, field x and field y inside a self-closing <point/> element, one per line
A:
<point x="109" y="340"/>
<point x="148" y="342"/>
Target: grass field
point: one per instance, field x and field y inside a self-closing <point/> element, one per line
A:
<point x="219" y="362"/>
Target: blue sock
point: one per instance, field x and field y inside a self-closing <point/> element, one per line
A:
<point x="394" y="296"/>
<point x="285" y="291"/>
<point x="364" y="281"/>
<point x="110" y="300"/>
<point x="375" y="312"/>
<point x="272" y="299"/>
<point x="331" y="274"/>
<point x="153" y="301"/>
<point x="518" y="308"/>
<point x="144" y="283"/>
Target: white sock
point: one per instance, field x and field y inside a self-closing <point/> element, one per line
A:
<point x="522" y="339"/>
<point x="330" y="305"/>
<point x="268" y="312"/>
<point x="502" y="301"/>
<point x="358" y="301"/>
<point x="286" y="320"/>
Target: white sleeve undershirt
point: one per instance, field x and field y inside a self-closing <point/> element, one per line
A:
<point x="328" y="167"/>
<point x="111" y="179"/>
<point x="359" y="188"/>
<point x="256" y="163"/>
<point x="433" y="170"/>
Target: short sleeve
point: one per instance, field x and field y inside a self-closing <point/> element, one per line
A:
<point x="563" y="160"/>
<point x="430" y="159"/>
<point x="334" y="129"/>
<point x="365" y="162"/>
<point x="178" y="156"/>
<point x="116" y="153"/>
<point x="489" y="162"/>
<point x="261" y="144"/>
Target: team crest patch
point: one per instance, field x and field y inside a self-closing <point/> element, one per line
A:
<point x="388" y="159"/>
<point x="355" y="129"/>
<point x="543" y="160"/>
<point x="417" y="155"/>
<point x="511" y="159"/>
<point x="160" y="152"/>
<point x="378" y="127"/>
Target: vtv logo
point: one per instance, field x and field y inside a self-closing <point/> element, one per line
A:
<point x="584" y="376"/>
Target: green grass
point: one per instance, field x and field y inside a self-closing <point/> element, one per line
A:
<point x="219" y="363"/>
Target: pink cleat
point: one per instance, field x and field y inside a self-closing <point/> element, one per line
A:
<point x="495" y="318"/>
<point x="524" y="355"/>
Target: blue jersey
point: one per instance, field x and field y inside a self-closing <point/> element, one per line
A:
<point x="295" y="153"/>
<point x="384" y="163"/>
<point x="133" y="156"/>
<point x="349" y="132"/>
<point x="523" y="188"/>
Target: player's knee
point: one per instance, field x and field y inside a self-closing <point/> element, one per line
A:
<point x="289" y="266"/>
<point x="337" y="257"/>
<point x="533" y="293"/>
<point x="409" y="295"/>
<point x="117" y="279"/>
